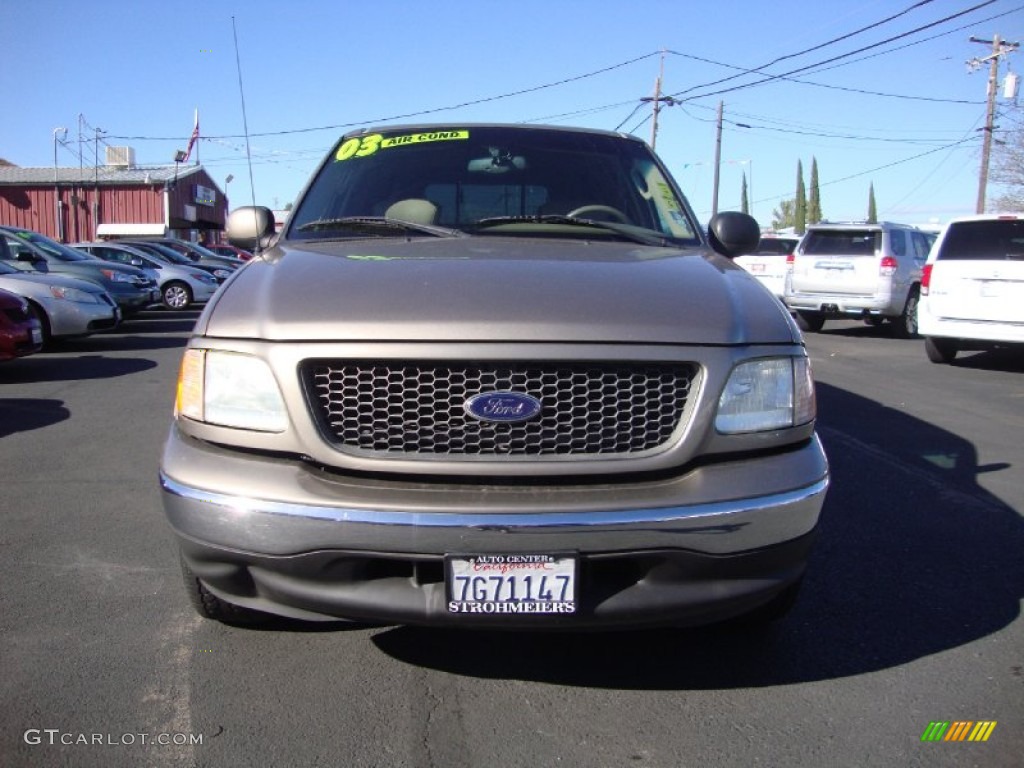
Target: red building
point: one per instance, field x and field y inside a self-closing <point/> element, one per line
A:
<point x="79" y="204"/>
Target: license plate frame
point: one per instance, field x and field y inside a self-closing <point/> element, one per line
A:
<point x="512" y="584"/>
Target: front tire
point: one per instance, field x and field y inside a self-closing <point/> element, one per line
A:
<point x="44" y="322"/>
<point x="940" y="350"/>
<point x="176" y="296"/>
<point x="209" y="606"/>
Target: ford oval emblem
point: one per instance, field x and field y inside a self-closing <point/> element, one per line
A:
<point x="502" y="406"/>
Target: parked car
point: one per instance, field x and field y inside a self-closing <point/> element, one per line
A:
<point x="219" y="271"/>
<point x="494" y="375"/>
<point x="972" y="290"/>
<point x="769" y="261"/>
<point x="20" y="333"/>
<point x="128" y="286"/>
<point x="195" y="252"/>
<point x="180" y="287"/>
<point x="64" y="306"/>
<point x="857" y="269"/>
<point x="226" y="249"/>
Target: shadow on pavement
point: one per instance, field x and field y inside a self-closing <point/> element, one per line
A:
<point x="26" y="414"/>
<point x="43" y="367"/>
<point x="914" y="558"/>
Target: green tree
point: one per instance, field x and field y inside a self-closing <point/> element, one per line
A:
<point x="872" y="208"/>
<point x="744" y="203"/>
<point x="784" y="217"/>
<point x="800" y="205"/>
<point x="814" y="203"/>
<point x="1008" y="171"/>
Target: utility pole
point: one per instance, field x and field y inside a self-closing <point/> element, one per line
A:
<point x="657" y="99"/>
<point x="718" y="161"/>
<point x="999" y="49"/>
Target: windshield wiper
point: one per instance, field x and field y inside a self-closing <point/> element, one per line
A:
<point x="378" y="225"/>
<point x="630" y="232"/>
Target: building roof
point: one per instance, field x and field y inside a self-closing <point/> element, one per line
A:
<point x="89" y="175"/>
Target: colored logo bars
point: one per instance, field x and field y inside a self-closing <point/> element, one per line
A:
<point x="958" y="730"/>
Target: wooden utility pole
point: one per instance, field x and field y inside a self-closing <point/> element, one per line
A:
<point x="999" y="48"/>
<point x="657" y="99"/>
<point x="657" y="102"/>
<point x="718" y="161"/>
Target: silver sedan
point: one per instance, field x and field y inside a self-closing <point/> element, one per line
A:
<point x="65" y="306"/>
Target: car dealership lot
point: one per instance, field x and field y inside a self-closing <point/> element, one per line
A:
<point x="910" y="613"/>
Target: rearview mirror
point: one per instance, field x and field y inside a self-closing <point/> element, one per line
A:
<point x="732" y="233"/>
<point x="250" y="227"/>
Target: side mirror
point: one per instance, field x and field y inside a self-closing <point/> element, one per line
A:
<point x="733" y="234"/>
<point x="137" y="262"/>
<point x="250" y="227"/>
<point x="23" y="254"/>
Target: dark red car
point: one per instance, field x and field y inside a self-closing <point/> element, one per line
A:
<point x="223" y="249"/>
<point x="20" y="333"/>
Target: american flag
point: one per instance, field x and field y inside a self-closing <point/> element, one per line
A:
<point x="194" y="138"/>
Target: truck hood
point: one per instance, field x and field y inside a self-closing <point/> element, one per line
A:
<point x="486" y="288"/>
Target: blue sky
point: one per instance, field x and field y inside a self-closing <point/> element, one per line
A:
<point x="904" y="115"/>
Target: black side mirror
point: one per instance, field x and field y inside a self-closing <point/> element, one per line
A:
<point x="24" y="254"/>
<point x="733" y="234"/>
<point x="250" y="227"/>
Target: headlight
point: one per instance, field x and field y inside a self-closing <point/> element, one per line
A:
<point x="761" y="395"/>
<point x="203" y="277"/>
<point x="117" y="277"/>
<point x="73" y="294"/>
<point x="229" y="389"/>
<point x="223" y="274"/>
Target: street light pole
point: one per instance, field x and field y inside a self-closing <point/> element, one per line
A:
<point x="56" y="187"/>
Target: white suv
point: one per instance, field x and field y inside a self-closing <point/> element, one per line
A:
<point x="857" y="269"/>
<point x="972" y="290"/>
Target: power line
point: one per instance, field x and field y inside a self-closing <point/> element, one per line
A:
<point x="815" y="47"/>
<point x="770" y="78"/>
<point x="420" y="113"/>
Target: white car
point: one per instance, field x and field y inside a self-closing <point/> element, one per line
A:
<point x="768" y="263"/>
<point x="65" y="306"/>
<point x="972" y="288"/>
<point x="180" y="286"/>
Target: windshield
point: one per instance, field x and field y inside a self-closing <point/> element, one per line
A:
<point x="842" y="242"/>
<point x="998" y="239"/>
<point x="52" y="247"/>
<point x="509" y="178"/>
<point x="162" y="252"/>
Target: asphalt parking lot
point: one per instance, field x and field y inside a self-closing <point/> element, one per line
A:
<point x="910" y="614"/>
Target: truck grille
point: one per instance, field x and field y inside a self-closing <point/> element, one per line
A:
<point x="418" y="408"/>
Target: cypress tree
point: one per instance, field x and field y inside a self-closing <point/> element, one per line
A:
<point x="800" y="211"/>
<point x="744" y="203"/>
<point x="872" y="210"/>
<point x="814" y="205"/>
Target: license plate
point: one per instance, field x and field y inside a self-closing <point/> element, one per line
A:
<point x="513" y="584"/>
<point x="991" y="289"/>
<point x="755" y="267"/>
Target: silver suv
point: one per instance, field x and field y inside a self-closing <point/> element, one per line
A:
<point x="494" y="375"/>
<point x="857" y="269"/>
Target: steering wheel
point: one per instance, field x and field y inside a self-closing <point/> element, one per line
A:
<point x="613" y="213"/>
